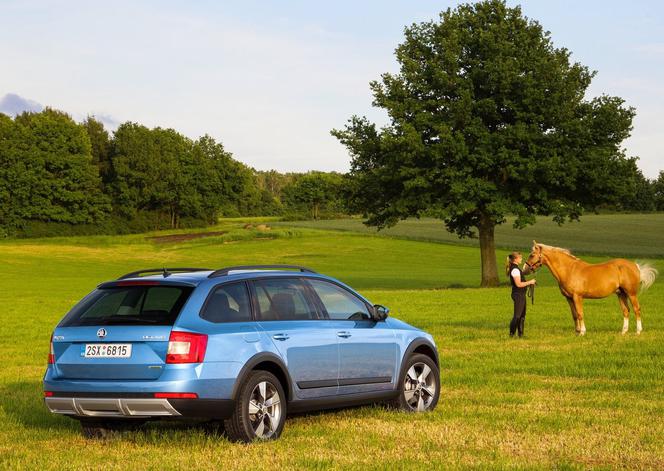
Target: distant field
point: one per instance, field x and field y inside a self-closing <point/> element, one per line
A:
<point x="550" y="400"/>
<point x="635" y="235"/>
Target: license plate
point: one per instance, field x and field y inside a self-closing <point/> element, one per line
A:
<point x="107" y="350"/>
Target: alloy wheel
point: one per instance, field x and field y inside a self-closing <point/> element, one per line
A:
<point x="265" y="409"/>
<point x="419" y="387"/>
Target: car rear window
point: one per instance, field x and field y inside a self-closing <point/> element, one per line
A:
<point x="130" y="305"/>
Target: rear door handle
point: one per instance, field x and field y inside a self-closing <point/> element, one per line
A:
<point x="280" y="336"/>
<point x="343" y="334"/>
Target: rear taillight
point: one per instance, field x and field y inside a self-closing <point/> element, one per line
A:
<point x="51" y="353"/>
<point x="185" y="347"/>
<point x="48" y="393"/>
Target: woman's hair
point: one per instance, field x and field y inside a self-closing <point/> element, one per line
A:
<point x="509" y="260"/>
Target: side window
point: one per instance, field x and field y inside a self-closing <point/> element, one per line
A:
<point x="339" y="303"/>
<point x="282" y="299"/>
<point x="228" y="303"/>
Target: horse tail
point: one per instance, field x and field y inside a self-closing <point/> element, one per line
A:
<point x="648" y="274"/>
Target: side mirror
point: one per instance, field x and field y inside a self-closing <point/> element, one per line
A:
<point x="380" y="312"/>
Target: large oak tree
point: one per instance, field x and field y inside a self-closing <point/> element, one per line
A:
<point x="486" y="119"/>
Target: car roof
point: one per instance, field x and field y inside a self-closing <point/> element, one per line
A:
<point x="201" y="277"/>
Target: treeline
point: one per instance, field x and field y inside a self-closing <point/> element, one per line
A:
<point x="639" y="195"/>
<point x="648" y="194"/>
<point x="60" y="177"/>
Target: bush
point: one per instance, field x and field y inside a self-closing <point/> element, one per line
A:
<point x="144" y="221"/>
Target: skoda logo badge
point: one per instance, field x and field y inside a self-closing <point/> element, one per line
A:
<point x="101" y="333"/>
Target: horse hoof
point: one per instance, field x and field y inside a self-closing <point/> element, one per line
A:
<point x="638" y="332"/>
<point x="624" y="332"/>
<point x="583" y="332"/>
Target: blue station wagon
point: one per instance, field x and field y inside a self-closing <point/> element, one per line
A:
<point x="242" y="345"/>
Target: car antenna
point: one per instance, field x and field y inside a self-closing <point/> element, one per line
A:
<point x="166" y="273"/>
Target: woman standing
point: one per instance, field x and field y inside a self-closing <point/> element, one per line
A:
<point x="519" y="285"/>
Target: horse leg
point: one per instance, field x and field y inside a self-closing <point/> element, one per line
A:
<point x="574" y="316"/>
<point x="578" y="305"/>
<point x="622" y="298"/>
<point x="637" y="312"/>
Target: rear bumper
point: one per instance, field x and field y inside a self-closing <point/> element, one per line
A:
<point x="119" y="406"/>
<point x="214" y="380"/>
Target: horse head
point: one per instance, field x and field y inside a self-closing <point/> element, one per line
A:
<point x="534" y="260"/>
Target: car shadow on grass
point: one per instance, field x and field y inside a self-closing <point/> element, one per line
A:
<point x="23" y="402"/>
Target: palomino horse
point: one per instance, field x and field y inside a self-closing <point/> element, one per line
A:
<point x="578" y="279"/>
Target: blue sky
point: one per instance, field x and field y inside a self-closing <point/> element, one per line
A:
<point x="270" y="79"/>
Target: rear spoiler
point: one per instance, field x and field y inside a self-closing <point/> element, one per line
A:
<point x="165" y="272"/>
<point x="123" y="283"/>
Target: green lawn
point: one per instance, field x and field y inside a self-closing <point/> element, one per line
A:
<point x="549" y="400"/>
<point x="638" y="235"/>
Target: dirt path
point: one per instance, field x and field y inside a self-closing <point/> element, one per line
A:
<point x="183" y="237"/>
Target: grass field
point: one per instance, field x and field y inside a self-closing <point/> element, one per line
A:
<point x="550" y="400"/>
<point x="638" y="235"/>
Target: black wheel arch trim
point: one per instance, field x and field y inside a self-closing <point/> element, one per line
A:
<point x="411" y="349"/>
<point x="255" y="361"/>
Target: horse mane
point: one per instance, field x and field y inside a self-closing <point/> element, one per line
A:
<point x="558" y="249"/>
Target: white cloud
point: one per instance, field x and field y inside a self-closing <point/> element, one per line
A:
<point x="12" y="105"/>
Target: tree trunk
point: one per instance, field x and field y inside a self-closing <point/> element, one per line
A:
<point x="488" y="253"/>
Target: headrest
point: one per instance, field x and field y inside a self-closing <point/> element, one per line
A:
<point x="219" y="303"/>
<point x="284" y="305"/>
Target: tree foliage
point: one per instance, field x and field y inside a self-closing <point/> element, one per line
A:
<point x="100" y="145"/>
<point x="162" y="171"/>
<point x="315" y="192"/>
<point x="47" y="172"/>
<point x="658" y="190"/>
<point x="486" y="118"/>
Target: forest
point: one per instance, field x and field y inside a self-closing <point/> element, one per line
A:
<point x="61" y="177"/>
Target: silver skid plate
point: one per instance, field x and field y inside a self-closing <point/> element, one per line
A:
<point x="110" y="407"/>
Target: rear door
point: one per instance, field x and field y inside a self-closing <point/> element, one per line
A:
<point x="308" y="345"/>
<point x="119" y="332"/>
<point x="232" y="332"/>
<point x="367" y="349"/>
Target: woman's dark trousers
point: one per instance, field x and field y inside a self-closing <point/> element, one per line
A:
<point x="519" y="318"/>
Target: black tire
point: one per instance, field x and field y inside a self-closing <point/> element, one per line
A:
<point x="103" y="429"/>
<point x="241" y="425"/>
<point x="409" y="404"/>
